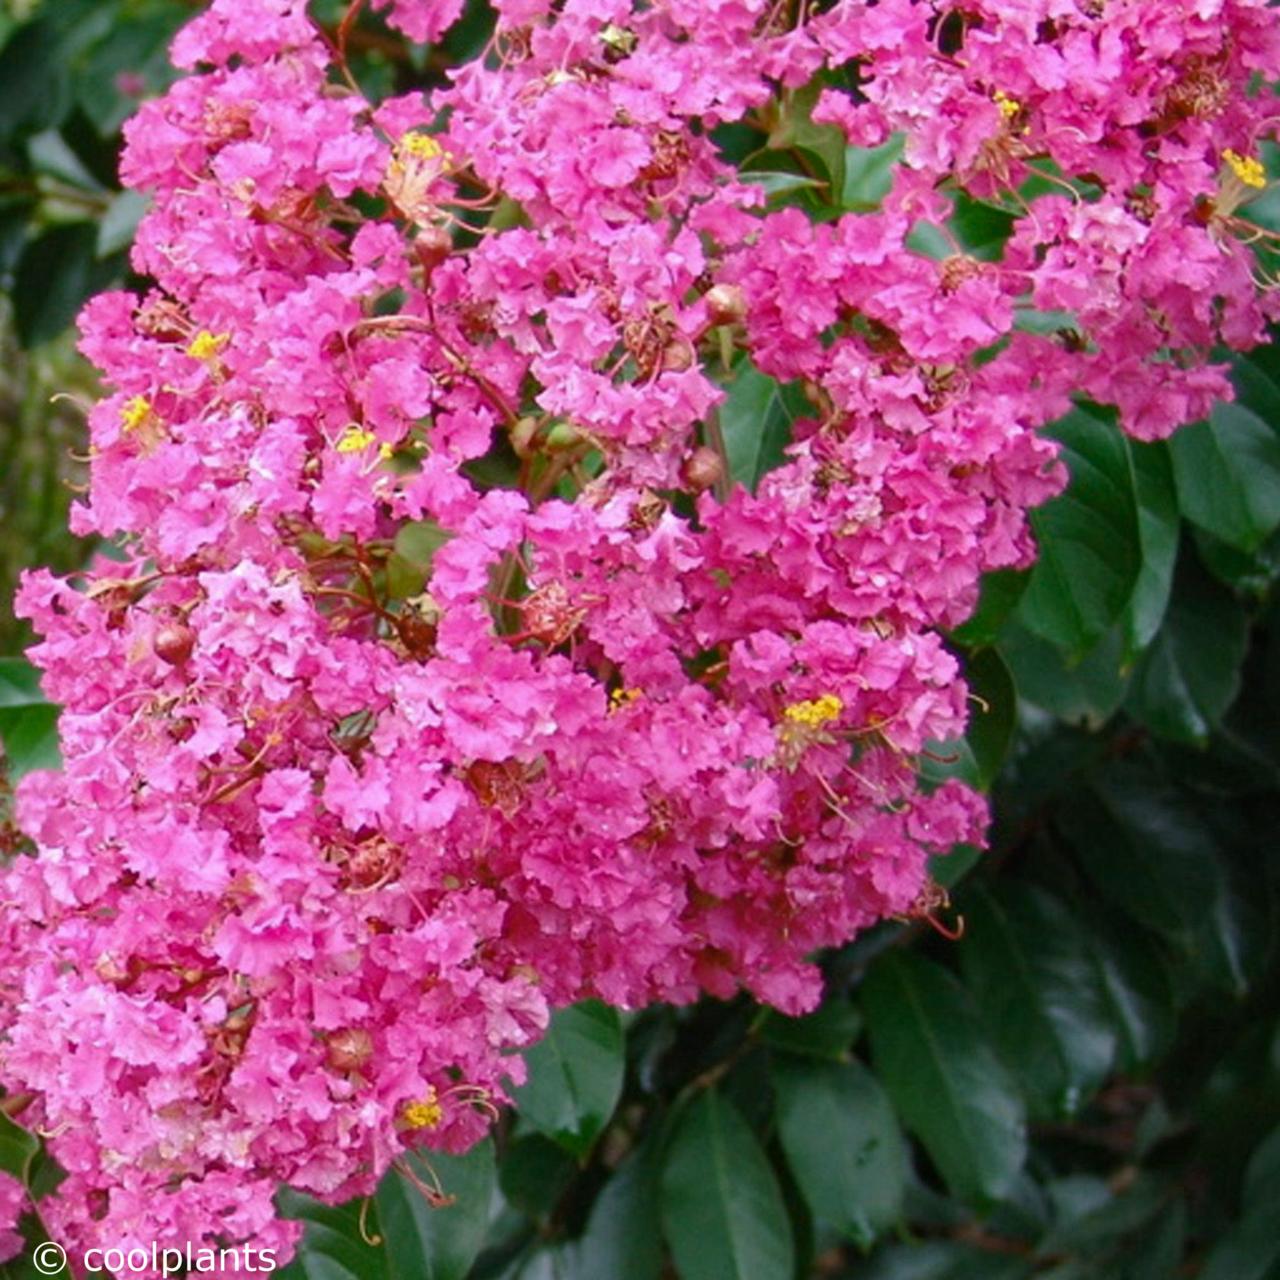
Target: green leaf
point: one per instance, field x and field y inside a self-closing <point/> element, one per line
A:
<point x="119" y="222"/>
<point x="1092" y="1218"/>
<point x="825" y="1033"/>
<point x="1145" y="848"/>
<point x="137" y="43"/>
<point x="982" y="229"/>
<point x="1087" y="692"/>
<point x="1249" y="1251"/>
<point x="1158" y="521"/>
<point x="409" y="565"/>
<point x="843" y="1144"/>
<point x="1228" y="468"/>
<point x="18" y="1148"/>
<point x="623" y="1239"/>
<point x="1000" y="593"/>
<point x="1137" y="990"/>
<point x="1030" y="970"/>
<point x="57" y="271"/>
<point x="868" y="174"/>
<point x="777" y="183"/>
<point x="1249" y="572"/>
<point x="28" y="724"/>
<point x="332" y="1247"/>
<point x="756" y="419"/>
<point x="1089" y="540"/>
<point x="1190" y="676"/>
<point x="993" y="711"/>
<point x="534" y="1174"/>
<point x="722" y="1209"/>
<point x="575" y="1076"/>
<point x="49" y="154"/>
<point x="936" y="1260"/>
<point x="822" y="144"/>
<point x="943" y="1076"/>
<point x="419" y="541"/>
<point x="426" y="1243"/>
<point x="1262" y="1177"/>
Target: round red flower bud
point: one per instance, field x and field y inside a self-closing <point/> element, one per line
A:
<point x="676" y="357"/>
<point x="703" y="469"/>
<point x="348" y="1049"/>
<point x="726" y="304"/>
<point x="173" y="643"/>
<point x="433" y="246"/>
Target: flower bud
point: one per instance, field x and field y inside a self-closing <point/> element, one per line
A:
<point x="433" y="245"/>
<point x="676" y="357"/>
<point x="174" y="642"/>
<point x="703" y="469"/>
<point x="726" y="304"/>
<point x="522" y="433"/>
<point x="348" y="1049"/>
<point x="563" y="437"/>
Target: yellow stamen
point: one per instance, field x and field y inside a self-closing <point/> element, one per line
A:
<point x="1008" y="107"/>
<point x="207" y="346"/>
<point x="354" y="439"/>
<point x="422" y="146"/>
<point x="815" y="713"/>
<point x="1246" y="168"/>
<point x="618" y="38"/>
<point x="135" y="412"/>
<point x="620" y="698"/>
<point x="425" y="1113"/>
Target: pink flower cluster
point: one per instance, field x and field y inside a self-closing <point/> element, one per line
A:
<point x="446" y="677"/>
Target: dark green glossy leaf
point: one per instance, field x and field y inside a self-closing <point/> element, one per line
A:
<point x="1249" y="1251"/>
<point x="1228" y="468"/>
<point x="1136" y="988"/>
<point x="575" y="1076"/>
<point x="56" y="273"/>
<point x="427" y="1243"/>
<point x="943" y="1076"/>
<point x="950" y="868"/>
<point x="981" y="228"/>
<point x="1158" y="522"/>
<point x="534" y="1174"/>
<point x="28" y="724"/>
<point x="999" y="596"/>
<point x="1249" y="572"/>
<point x="1262" y="1177"/>
<point x="722" y="1209"/>
<point x="827" y="1033"/>
<point x="1093" y="1218"/>
<point x="1188" y="678"/>
<point x="1145" y="849"/>
<point x="332" y="1246"/>
<point x="1090" y="553"/>
<point x="18" y="1148"/>
<point x="1029" y="968"/>
<point x="623" y="1238"/>
<point x="993" y="709"/>
<point x="756" y="420"/>
<point x="842" y="1143"/>
<point x="1086" y="693"/>
<point x="938" y="1260"/>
